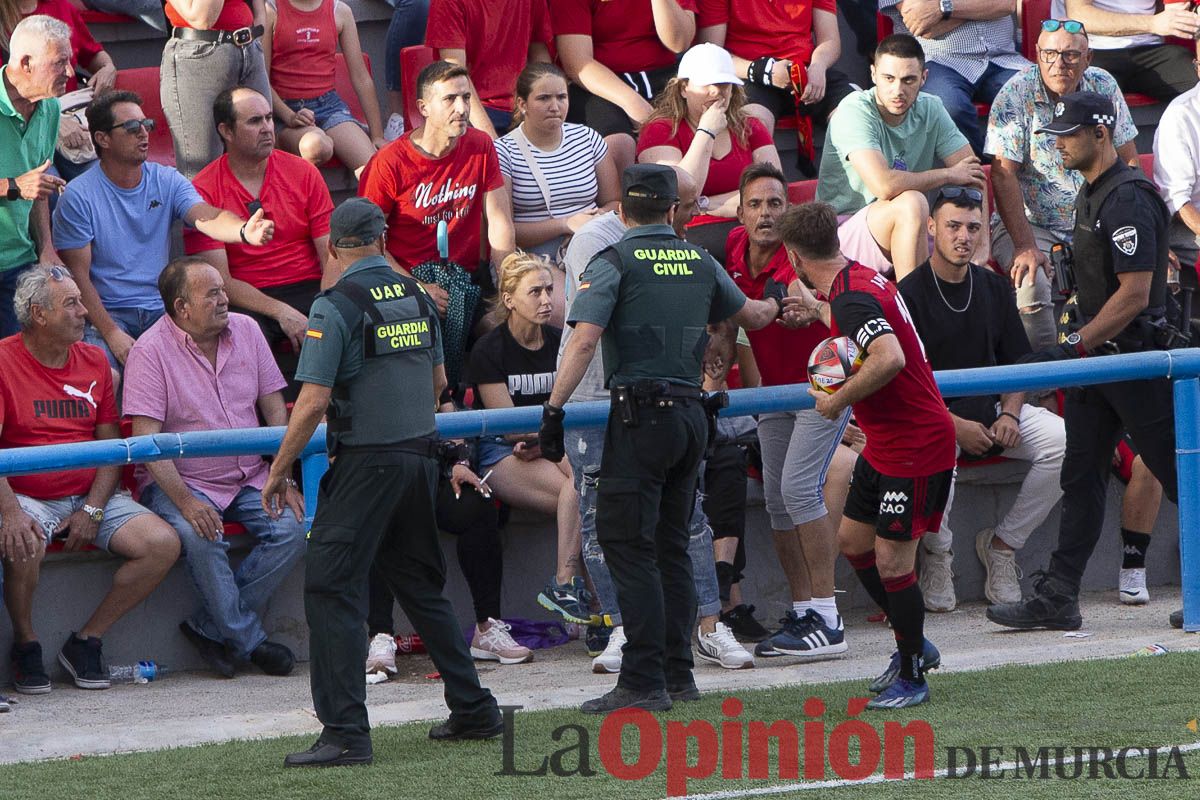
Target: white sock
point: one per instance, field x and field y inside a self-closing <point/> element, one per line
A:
<point x="827" y="608"/>
<point x="801" y="607"/>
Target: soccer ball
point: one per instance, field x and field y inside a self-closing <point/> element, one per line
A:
<point x="832" y="362"/>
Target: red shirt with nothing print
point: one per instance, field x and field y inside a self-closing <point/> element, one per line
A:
<point x="416" y="192"/>
<point x="624" y="38"/>
<point x="41" y="405"/>
<point x="756" y="28"/>
<point x="781" y="353"/>
<point x="495" y="34"/>
<point x="234" y="14"/>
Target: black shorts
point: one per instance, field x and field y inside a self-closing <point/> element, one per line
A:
<point x="725" y="491"/>
<point x="900" y="509"/>
<point x="781" y="102"/>
<point x="607" y="118"/>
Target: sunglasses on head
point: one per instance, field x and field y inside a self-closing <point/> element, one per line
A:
<point x="1068" y="25"/>
<point x="955" y="192"/>
<point x="131" y="126"/>
<point x="59" y="273"/>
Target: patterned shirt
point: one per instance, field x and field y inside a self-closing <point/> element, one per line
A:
<point x="1022" y="106"/>
<point x="969" y="48"/>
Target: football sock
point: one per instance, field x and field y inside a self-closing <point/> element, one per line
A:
<point x="868" y="575"/>
<point x="906" y="611"/>
<point x="1134" y="549"/>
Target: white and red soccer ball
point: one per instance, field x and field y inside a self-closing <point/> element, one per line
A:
<point x="832" y="363"/>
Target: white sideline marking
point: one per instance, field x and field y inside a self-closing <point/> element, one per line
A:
<point x="880" y="778"/>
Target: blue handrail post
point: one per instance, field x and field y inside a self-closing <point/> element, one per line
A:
<point x="1187" y="465"/>
<point x="312" y="468"/>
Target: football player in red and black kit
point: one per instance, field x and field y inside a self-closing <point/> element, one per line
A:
<point x="903" y="476"/>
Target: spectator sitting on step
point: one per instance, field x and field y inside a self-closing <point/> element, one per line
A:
<point x="201" y="368"/>
<point x="112" y="225"/>
<point x="966" y="317"/>
<point x="276" y="283"/>
<point x="494" y="39"/>
<point x="1126" y="38"/>
<point x="1035" y="194"/>
<point x="970" y="50"/>
<point x="880" y="156"/>
<point x="700" y="124"/>
<point x="559" y="174"/>
<point x="299" y="47"/>
<point x="619" y="55"/>
<point x="56" y="389"/>
<point x="74" y="153"/>
<point x="514" y="364"/>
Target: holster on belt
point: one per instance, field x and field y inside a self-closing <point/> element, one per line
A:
<point x="625" y="400"/>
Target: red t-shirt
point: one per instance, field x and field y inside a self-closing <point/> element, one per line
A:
<point x="724" y="174"/>
<point x="416" y="191"/>
<point x="759" y="28"/>
<point x="84" y="46"/>
<point x="781" y="353"/>
<point x="495" y="34"/>
<point x="623" y="35"/>
<point x="294" y="197"/>
<point x="234" y="14"/>
<point x="303" y="49"/>
<point x="909" y="431"/>
<point x="39" y="405"/>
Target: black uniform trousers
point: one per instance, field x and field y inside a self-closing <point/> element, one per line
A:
<point x="644" y="500"/>
<point x="1095" y="416"/>
<point x="378" y="507"/>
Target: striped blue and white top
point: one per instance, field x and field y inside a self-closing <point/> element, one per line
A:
<point x="570" y="173"/>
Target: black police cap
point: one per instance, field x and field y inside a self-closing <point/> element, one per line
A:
<point x="1081" y="109"/>
<point x="650" y="182"/>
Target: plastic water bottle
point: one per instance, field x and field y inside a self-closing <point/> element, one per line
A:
<point x="141" y="672"/>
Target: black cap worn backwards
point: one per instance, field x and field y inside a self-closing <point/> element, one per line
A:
<point x="356" y="223"/>
<point x="650" y="182"/>
<point x="1081" y="109"/>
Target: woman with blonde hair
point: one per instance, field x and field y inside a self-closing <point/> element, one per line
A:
<point x="700" y="125"/>
<point x="514" y="365"/>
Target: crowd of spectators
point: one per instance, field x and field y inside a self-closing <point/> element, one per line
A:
<point x="529" y="112"/>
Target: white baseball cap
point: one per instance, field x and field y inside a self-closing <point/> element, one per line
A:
<point x="706" y="64"/>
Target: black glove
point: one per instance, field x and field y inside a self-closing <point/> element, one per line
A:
<point x="774" y="290"/>
<point x="1060" y="352"/>
<point x="759" y="70"/>
<point x="550" y="435"/>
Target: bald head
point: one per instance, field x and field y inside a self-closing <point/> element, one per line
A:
<point x="688" y="192"/>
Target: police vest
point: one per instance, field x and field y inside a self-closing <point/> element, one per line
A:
<point x="1094" y="274"/>
<point x="658" y="326"/>
<point x="399" y="329"/>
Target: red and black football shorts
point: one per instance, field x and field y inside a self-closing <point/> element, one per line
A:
<point x="900" y="509"/>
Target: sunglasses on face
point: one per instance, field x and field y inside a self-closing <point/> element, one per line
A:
<point x="1068" y="25"/>
<point x="955" y="192"/>
<point x="133" y="125"/>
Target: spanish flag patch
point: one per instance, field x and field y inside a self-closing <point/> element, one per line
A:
<point x="313" y="334"/>
<point x="583" y="286"/>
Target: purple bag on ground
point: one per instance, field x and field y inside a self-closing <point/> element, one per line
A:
<point x="531" y="634"/>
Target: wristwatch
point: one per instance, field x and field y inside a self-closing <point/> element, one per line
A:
<point x="97" y="514"/>
<point x="14" y="191"/>
<point x="702" y="202"/>
<point x="947" y="7"/>
<point x="1073" y="339"/>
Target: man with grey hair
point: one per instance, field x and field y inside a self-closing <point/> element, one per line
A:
<point x="55" y="389"/>
<point x="39" y="65"/>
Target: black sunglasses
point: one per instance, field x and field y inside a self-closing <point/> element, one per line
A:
<point x="131" y="126"/>
<point x="955" y="192"/>
<point x="1068" y="25"/>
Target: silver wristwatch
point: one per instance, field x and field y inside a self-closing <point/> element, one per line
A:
<point x="947" y="7"/>
<point x="97" y="514"/>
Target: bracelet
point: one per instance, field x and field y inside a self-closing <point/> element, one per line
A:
<point x="1014" y="417"/>
<point x="706" y="130"/>
<point x="242" y="232"/>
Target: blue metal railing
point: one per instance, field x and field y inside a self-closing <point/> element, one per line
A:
<point x="1182" y="367"/>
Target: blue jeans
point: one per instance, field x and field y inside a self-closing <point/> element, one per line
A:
<point x="958" y="95"/>
<point x="584" y="448"/>
<point x="231" y="599"/>
<point x="407" y="29"/>
<point x="8" y="287"/>
<point x="134" y="321"/>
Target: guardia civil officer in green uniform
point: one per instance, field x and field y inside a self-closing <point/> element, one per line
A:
<point x="372" y="358"/>
<point x="1120" y="277"/>
<point x="650" y="298"/>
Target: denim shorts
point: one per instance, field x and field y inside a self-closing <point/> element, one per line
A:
<point x="329" y="109"/>
<point x="119" y="509"/>
<point x="492" y="450"/>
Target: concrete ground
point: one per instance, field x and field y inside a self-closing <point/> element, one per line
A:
<point x="195" y="707"/>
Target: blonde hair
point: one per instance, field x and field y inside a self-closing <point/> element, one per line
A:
<point x="516" y="265"/>
<point x="672" y="106"/>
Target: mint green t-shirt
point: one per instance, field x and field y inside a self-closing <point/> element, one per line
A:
<point x="922" y="141"/>
<point x="23" y="146"/>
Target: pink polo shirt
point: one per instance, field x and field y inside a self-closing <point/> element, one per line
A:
<point x="167" y="378"/>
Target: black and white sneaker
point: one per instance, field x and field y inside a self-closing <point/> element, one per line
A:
<point x="85" y="662"/>
<point x="815" y="640"/>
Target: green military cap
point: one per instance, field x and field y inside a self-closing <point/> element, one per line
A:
<point x="356" y="223"/>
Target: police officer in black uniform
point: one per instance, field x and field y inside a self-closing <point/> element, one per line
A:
<point x="1120" y="274"/>
<point x="372" y="357"/>
<point x="651" y="296"/>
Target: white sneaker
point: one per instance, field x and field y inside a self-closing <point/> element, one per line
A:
<point x="610" y="660"/>
<point x="937" y="582"/>
<point x="495" y="644"/>
<point x="721" y="648"/>
<point x="395" y="127"/>
<point x="1003" y="582"/>
<point x="381" y="657"/>
<point x="1132" y="587"/>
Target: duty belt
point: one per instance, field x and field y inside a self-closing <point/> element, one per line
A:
<point x="241" y="37"/>
<point x="646" y="391"/>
